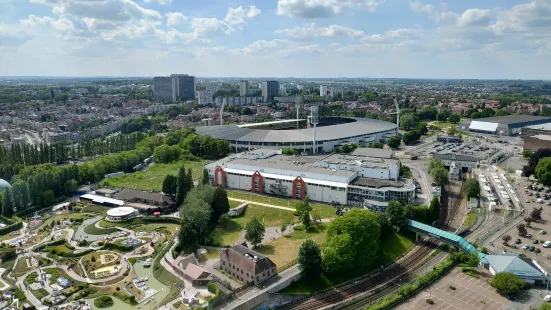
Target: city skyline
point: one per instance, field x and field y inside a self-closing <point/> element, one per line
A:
<point x="286" y="38"/>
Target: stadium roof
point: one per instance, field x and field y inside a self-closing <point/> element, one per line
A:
<point x="360" y="126"/>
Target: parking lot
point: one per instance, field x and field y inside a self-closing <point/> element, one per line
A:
<point x="469" y="293"/>
<point x="540" y="231"/>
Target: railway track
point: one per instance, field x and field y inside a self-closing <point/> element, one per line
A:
<point x="370" y="289"/>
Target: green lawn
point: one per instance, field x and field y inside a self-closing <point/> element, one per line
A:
<point x="152" y="178"/>
<point x="269" y="216"/>
<point x="227" y="235"/>
<point x="391" y="248"/>
<point x="283" y="251"/>
<point x="91" y="208"/>
<point x="325" y="211"/>
<point x="93" y="230"/>
<point x="41" y="293"/>
<point x="470" y="219"/>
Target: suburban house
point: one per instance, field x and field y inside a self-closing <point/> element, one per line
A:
<point x="247" y="265"/>
<point x="197" y="275"/>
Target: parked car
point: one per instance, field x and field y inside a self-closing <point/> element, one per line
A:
<point x="535" y="241"/>
<point x="542" y="232"/>
<point x="525" y="247"/>
<point x="528" y="235"/>
<point x="532" y="248"/>
<point x="547" y="298"/>
<point x="549" y="203"/>
<point x="518" y="241"/>
<point x="538" y="250"/>
<point x="530" y="194"/>
<point x="547" y="244"/>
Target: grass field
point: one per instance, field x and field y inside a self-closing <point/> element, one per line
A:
<point x="470" y="219"/>
<point x="284" y="250"/>
<point x="325" y="211"/>
<point x="73" y="216"/>
<point x="152" y="179"/>
<point x="229" y="234"/>
<point x="391" y="248"/>
<point x="58" y="249"/>
<point x="93" y="230"/>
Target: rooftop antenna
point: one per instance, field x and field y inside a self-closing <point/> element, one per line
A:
<point x="298" y="108"/>
<point x="314" y="120"/>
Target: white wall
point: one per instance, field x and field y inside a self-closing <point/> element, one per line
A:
<point x="239" y="182"/>
<point x="325" y="194"/>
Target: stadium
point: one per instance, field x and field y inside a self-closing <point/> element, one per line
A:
<point x="330" y="132"/>
<point x="507" y="125"/>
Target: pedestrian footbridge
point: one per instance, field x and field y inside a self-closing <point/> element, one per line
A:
<point x="447" y="237"/>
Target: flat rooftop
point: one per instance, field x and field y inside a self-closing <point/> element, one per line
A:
<point x="541" y="126"/>
<point x="376" y="183"/>
<point x="370" y="152"/>
<point x="271" y="123"/>
<point x="512" y="119"/>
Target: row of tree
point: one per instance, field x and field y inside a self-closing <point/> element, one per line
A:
<point x="439" y="172"/>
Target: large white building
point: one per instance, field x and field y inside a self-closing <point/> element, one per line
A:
<point x="367" y="177"/>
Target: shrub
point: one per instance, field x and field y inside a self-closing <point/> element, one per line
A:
<point x="103" y="302"/>
<point x="430" y="301"/>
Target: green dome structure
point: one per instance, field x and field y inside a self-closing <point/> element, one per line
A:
<point x="4" y="184"/>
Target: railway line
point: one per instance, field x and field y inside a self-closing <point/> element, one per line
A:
<point x="368" y="290"/>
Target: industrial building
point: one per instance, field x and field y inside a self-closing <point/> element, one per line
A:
<point x="330" y="132"/>
<point x="537" y="137"/>
<point x="507" y="125"/>
<point x="363" y="178"/>
<point x="455" y="162"/>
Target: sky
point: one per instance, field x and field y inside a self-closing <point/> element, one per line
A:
<point x="489" y="39"/>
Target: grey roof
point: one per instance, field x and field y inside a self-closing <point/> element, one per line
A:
<point x="509" y="120"/>
<point x="455" y="157"/>
<point x="376" y="183"/>
<point x="521" y="267"/>
<point x="377" y="153"/>
<point x="360" y="126"/>
<point x="546" y="126"/>
<point x="4" y="184"/>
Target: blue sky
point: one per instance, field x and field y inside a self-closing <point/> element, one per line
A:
<point x="505" y="39"/>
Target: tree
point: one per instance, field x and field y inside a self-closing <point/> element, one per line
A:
<point x="543" y="171"/>
<point x="376" y="145"/>
<point x="529" y="169"/>
<point x="224" y="220"/>
<point x="181" y="186"/>
<point x="315" y="216"/>
<point x="220" y="204"/>
<point x="472" y="188"/>
<point x="528" y="221"/>
<point x="507" y="283"/>
<point x="440" y="176"/>
<point x="338" y="253"/>
<point x="305" y="219"/>
<point x="521" y="229"/>
<point x="7" y="203"/>
<point x="410" y="137"/>
<point x="473" y="261"/>
<point x="451" y="131"/>
<point x="71" y="186"/>
<point x="435" y="163"/>
<point x="526" y="153"/>
<point x="434" y="209"/>
<point x="198" y="213"/>
<point x="189" y="180"/>
<point x="363" y="225"/>
<point x="396" y="214"/>
<point x="441" y="117"/>
<point x="405" y="172"/>
<point x="205" y="178"/>
<point x="506" y="239"/>
<point x="254" y="231"/>
<point x="309" y="260"/>
<point x="302" y="206"/>
<point x="166" y="154"/>
<point x="187" y="237"/>
<point x="535" y="215"/>
<point x="386" y="228"/>
<point x="429" y="113"/>
<point x="170" y="185"/>
<point x="408" y="121"/>
<point x="394" y="142"/>
<point x="454" y="118"/>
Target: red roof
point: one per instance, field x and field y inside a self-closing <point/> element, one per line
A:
<point x="156" y="213"/>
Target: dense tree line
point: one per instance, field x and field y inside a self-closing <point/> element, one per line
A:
<point x="191" y="143"/>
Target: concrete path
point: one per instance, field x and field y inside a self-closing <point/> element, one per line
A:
<point x="5" y="285"/>
<point x="262" y="204"/>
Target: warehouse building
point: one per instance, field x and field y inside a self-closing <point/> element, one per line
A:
<point x="507" y="125"/>
<point x="464" y="162"/>
<point x="357" y="179"/>
<point x="537" y="137"/>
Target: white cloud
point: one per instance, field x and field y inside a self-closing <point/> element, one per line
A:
<point x="474" y="17"/>
<point x="439" y="15"/>
<point x="236" y="17"/>
<point x="160" y="2"/>
<point x="174" y="18"/>
<point x="525" y="18"/>
<point x="235" y="20"/>
<point x="322" y="8"/>
<point x="309" y="31"/>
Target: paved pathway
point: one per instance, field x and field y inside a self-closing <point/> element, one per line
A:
<point x="262" y="204"/>
<point x="5" y="285"/>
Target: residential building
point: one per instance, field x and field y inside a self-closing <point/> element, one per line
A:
<point x="162" y="88"/>
<point x="270" y="89"/>
<point x="229" y="101"/>
<point x="247" y="265"/>
<point x="243" y="87"/>
<point x="290" y="99"/>
<point x="324" y="90"/>
<point x="204" y="97"/>
<point x="183" y="87"/>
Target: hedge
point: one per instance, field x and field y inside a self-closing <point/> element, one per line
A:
<point x="409" y="289"/>
<point x="212" y="300"/>
<point x="117" y="247"/>
<point x="54" y="243"/>
<point x="73" y="254"/>
<point x="8" y="229"/>
<point x="169" y="220"/>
